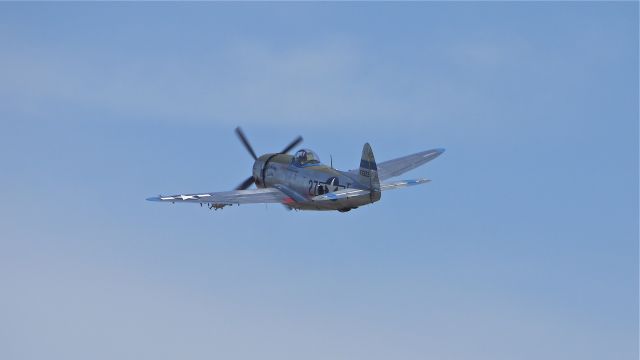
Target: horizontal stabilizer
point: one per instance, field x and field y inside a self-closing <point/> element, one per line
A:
<point x="341" y="194"/>
<point x="352" y="193"/>
<point x="402" y="184"/>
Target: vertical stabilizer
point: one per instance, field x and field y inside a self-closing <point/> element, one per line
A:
<point x="368" y="173"/>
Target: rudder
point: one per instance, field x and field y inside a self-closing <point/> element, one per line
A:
<point x="368" y="173"/>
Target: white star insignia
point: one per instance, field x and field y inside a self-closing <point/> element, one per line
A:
<point x="187" y="197"/>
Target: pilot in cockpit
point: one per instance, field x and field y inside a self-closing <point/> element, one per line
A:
<point x="306" y="156"/>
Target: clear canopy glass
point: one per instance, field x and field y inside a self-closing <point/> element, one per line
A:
<point x="306" y="156"/>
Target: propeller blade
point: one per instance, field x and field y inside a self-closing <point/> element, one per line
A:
<point x="293" y="144"/>
<point x="246" y="144"/>
<point x="245" y="184"/>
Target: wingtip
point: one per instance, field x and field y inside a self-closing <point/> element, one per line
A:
<point x="433" y="153"/>
<point x="155" y="198"/>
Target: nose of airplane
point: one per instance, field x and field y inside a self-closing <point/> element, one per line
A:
<point x="258" y="167"/>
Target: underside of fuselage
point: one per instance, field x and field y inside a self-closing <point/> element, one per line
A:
<point x="342" y="205"/>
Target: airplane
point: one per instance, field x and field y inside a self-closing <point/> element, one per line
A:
<point x="302" y="182"/>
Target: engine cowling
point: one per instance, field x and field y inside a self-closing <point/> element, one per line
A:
<point x="257" y="171"/>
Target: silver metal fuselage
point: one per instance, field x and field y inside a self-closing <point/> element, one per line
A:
<point x="303" y="182"/>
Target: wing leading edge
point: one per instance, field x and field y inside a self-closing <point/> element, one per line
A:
<point x="399" y="166"/>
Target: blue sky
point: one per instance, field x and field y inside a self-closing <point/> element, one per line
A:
<point x="524" y="245"/>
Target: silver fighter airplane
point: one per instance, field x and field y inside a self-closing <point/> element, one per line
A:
<point x="302" y="182"/>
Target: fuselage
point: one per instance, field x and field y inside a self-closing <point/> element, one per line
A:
<point x="302" y="182"/>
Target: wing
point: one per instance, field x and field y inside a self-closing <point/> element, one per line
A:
<point x="401" y="165"/>
<point x="351" y="193"/>
<point x="253" y="196"/>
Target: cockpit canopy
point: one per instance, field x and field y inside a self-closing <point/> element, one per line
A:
<point x="306" y="156"/>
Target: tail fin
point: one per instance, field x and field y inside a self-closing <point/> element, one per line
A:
<point x="368" y="174"/>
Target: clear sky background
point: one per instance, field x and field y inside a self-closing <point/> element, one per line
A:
<point x="524" y="246"/>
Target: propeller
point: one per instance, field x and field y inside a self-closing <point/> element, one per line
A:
<point x="243" y="138"/>
<point x="245" y="184"/>
<point x="291" y="145"/>
<point x="245" y="142"/>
